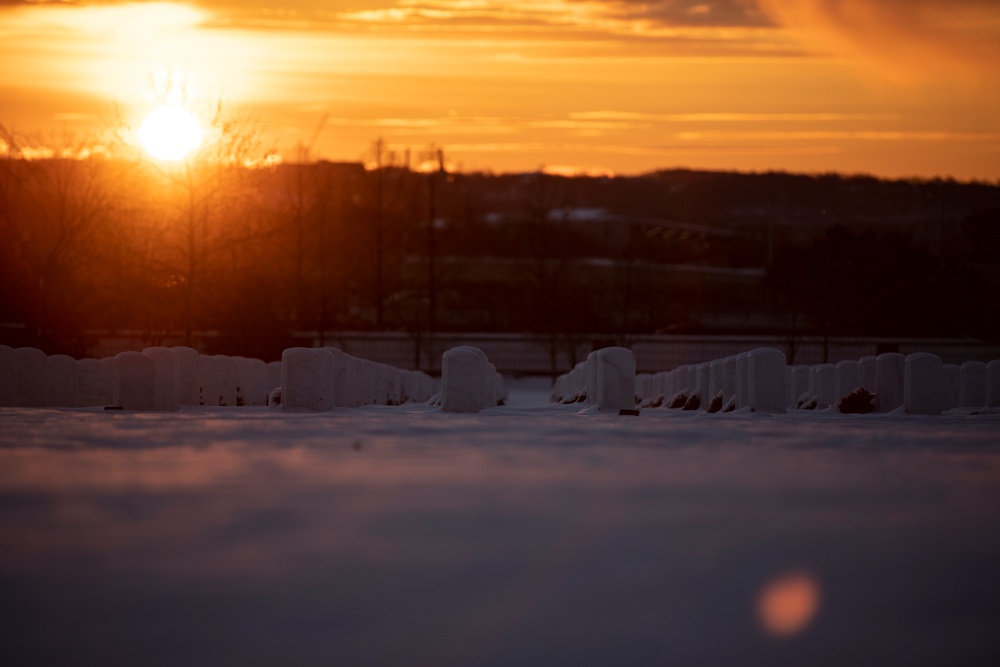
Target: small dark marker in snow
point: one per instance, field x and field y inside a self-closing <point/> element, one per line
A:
<point x="631" y="413"/>
<point x="357" y="446"/>
<point x="114" y="407"/>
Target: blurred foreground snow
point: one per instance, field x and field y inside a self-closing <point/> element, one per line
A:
<point x="524" y="535"/>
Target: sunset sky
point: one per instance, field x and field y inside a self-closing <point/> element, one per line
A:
<point x="887" y="87"/>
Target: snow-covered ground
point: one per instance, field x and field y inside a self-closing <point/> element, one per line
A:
<point x="530" y="534"/>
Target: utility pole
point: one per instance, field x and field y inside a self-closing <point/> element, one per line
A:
<point x="431" y="253"/>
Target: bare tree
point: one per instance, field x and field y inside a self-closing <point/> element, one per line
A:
<point x="53" y="211"/>
<point x="208" y="209"/>
<point x="386" y="191"/>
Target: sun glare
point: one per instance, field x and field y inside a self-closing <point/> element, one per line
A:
<point x="170" y="133"/>
<point x="787" y="604"/>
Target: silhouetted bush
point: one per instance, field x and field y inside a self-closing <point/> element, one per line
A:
<point x="860" y="402"/>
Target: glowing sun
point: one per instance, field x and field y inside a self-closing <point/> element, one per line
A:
<point x="170" y="133"/>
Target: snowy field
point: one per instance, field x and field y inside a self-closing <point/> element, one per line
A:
<point x="531" y="534"/>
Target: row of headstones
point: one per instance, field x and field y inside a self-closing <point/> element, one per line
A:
<point x="323" y="378"/>
<point x="754" y="380"/>
<point x="605" y="379"/>
<point x="918" y="382"/>
<point x="158" y="378"/>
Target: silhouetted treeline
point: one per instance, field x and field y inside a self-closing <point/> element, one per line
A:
<point x="242" y="260"/>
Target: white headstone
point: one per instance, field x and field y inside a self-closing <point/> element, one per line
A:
<point x="868" y="374"/>
<point x="691" y="378"/>
<point x="742" y="380"/>
<point x="800" y="382"/>
<point x="644" y="387"/>
<point x="703" y="383"/>
<point x="559" y="388"/>
<point x="260" y="391"/>
<point x="360" y="374"/>
<point x="889" y="381"/>
<point x="617" y="379"/>
<point x="209" y="381"/>
<point x="486" y="380"/>
<point x="135" y="381"/>
<point x="110" y="374"/>
<point x="716" y="375"/>
<point x="993" y="384"/>
<point x="766" y="384"/>
<point x="350" y="373"/>
<point x="245" y="384"/>
<point x="168" y="377"/>
<point x="675" y="384"/>
<point x="394" y="386"/>
<point x="972" y="385"/>
<point x="327" y="379"/>
<point x="950" y="397"/>
<point x="922" y="380"/>
<point x="8" y="377"/>
<point x="489" y="394"/>
<point x="371" y="383"/>
<point x="410" y="387"/>
<point x="273" y="376"/>
<point x="462" y="372"/>
<point x="661" y="382"/>
<point x="593" y="385"/>
<point x="789" y="386"/>
<point x="227" y="380"/>
<point x="301" y="379"/>
<point x="848" y="378"/>
<point x="728" y="378"/>
<point x="678" y="381"/>
<point x="92" y="378"/>
<point x="429" y="386"/>
<point x="823" y="383"/>
<point x="671" y="383"/>
<point x="187" y="378"/>
<point x="581" y="380"/>
<point x="61" y="381"/>
<point x="31" y="373"/>
<point x="500" y="389"/>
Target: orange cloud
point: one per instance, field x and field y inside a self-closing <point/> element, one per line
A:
<point x="908" y="39"/>
<point x="729" y="13"/>
<point x="628" y="85"/>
